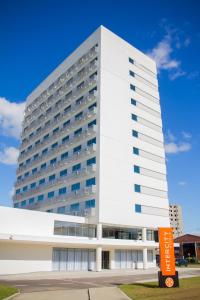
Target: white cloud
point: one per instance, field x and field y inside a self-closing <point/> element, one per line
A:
<point x="182" y="183"/>
<point x="174" y="148"/>
<point x="9" y="155"/>
<point x="186" y="135"/>
<point x="11" y="116"/>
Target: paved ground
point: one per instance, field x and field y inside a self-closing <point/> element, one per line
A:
<point x="54" y="281"/>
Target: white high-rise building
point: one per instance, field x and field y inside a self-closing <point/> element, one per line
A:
<point x="92" y="146"/>
<point x="176" y="219"/>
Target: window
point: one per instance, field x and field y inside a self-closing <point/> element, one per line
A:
<point x="90" y="203"/>
<point x="17" y="191"/>
<point x="133" y="102"/>
<point x="27" y="161"/>
<point x="37" y="142"/>
<point x="138" y="208"/>
<point x="74" y="207"/>
<point x="67" y="109"/>
<point x="92" y="123"/>
<point x="92" y="91"/>
<point x="35" y="156"/>
<point x="61" y="210"/>
<point x="62" y="191"/>
<point x="134" y="117"/>
<point x="46" y="137"/>
<point x="80" y="85"/>
<point x="31" y="135"/>
<point x="19" y="177"/>
<point x="56" y="117"/>
<point x="92" y="106"/>
<point x="78" y="101"/>
<point x="33" y="185"/>
<point x="137" y="188"/>
<point x="53" y="161"/>
<point x="55" y="130"/>
<point x="136" y="169"/>
<point x="16" y="205"/>
<point x="40" y="198"/>
<point x="91" y="161"/>
<point x="22" y="152"/>
<point x="48" y="111"/>
<point x="63" y="173"/>
<point x="75" y="187"/>
<point x="78" y="116"/>
<point x="131" y="73"/>
<point x="77" y="132"/>
<point x="65" y="139"/>
<point x="23" y="203"/>
<point x="34" y="170"/>
<point x="135" y="133"/>
<point x="132" y="87"/>
<point x="50" y="194"/>
<point x="52" y="177"/>
<point x="77" y="149"/>
<point x="30" y="147"/>
<point x="42" y="181"/>
<point x="55" y="145"/>
<point x="25" y="188"/>
<point x="21" y="165"/>
<point x="131" y="60"/>
<point x="76" y="167"/>
<point x="39" y="129"/>
<point x="44" y="151"/>
<point x="66" y="124"/>
<point x="43" y="166"/>
<point x="26" y="174"/>
<point x="31" y="201"/>
<point x="64" y="155"/>
<point x="135" y="151"/>
<point x="47" y="123"/>
<point x="90" y="181"/>
<point x="92" y="141"/>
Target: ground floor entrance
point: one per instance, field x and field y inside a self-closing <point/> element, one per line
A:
<point x="105" y="259"/>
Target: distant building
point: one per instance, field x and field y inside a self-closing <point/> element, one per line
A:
<point x="189" y="246"/>
<point x="176" y="219"/>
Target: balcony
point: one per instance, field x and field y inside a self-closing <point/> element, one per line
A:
<point x="77" y="195"/>
<point x="62" y="80"/>
<point x="60" y="164"/>
<point x="70" y="144"/>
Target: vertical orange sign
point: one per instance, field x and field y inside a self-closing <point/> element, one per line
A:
<point x="167" y="259"/>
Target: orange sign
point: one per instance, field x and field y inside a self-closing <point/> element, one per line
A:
<point x="167" y="259"/>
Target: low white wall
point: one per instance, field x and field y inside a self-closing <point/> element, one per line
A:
<point x="18" y="258"/>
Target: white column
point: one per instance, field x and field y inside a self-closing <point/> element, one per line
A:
<point x="99" y="231"/>
<point x="144" y="234"/>
<point x="112" y="259"/>
<point x="145" y="258"/>
<point x="98" y="258"/>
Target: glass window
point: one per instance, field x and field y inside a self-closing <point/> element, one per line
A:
<point x="75" y="187"/>
<point x="136" y="169"/>
<point x="92" y="106"/>
<point x="92" y="123"/>
<point x="74" y="207"/>
<point x="51" y="194"/>
<point x="27" y="161"/>
<point x="91" y="161"/>
<point x="52" y="177"/>
<point x="78" y="101"/>
<point x="76" y="167"/>
<point x="42" y="181"/>
<point x="62" y="191"/>
<point x="65" y="124"/>
<point x="134" y="117"/>
<point x="131" y="73"/>
<point x="26" y="174"/>
<point x="55" y="130"/>
<point x="35" y="156"/>
<point x="31" y="201"/>
<point x="17" y="191"/>
<point x="64" y="155"/>
<point x="65" y="139"/>
<point x="135" y="151"/>
<point x="44" y="151"/>
<point x="90" y="203"/>
<point x="46" y="137"/>
<point x="55" y="145"/>
<point x="131" y="60"/>
<point x="30" y="147"/>
<point x="63" y="173"/>
<point x="138" y="208"/>
<point x="23" y="203"/>
<point x="92" y="141"/>
<point x="20" y="177"/>
<point x="37" y="142"/>
<point x="137" y="188"/>
<point x="79" y="116"/>
<point x="132" y="87"/>
<point x="43" y="166"/>
<point x="133" y="102"/>
<point x="61" y="210"/>
<point x="67" y="109"/>
<point x="77" y="149"/>
<point x="41" y="197"/>
<point x="57" y="117"/>
<point x="33" y="185"/>
<point x="53" y="161"/>
<point x="25" y="188"/>
<point x="134" y="133"/>
<point x="78" y="131"/>
<point x="16" y="205"/>
<point x="90" y="181"/>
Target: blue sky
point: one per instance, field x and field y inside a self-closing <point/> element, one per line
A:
<point x="35" y="36"/>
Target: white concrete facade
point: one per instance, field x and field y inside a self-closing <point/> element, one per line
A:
<point x="92" y="145"/>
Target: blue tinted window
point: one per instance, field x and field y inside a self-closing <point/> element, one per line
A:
<point x="78" y="116"/>
<point x="78" y="101"/>
<point x="25" y="188"/>
<point x="45" y="151"/>
<point x="23" y="203"/>
<point x="42" y="181"/>
<point x="61" y="210"/>
<point x="41" y="197"/>
<point x="17" y="191"/>
<point x="55" y="145"/>
<point x="134" y="117"/>
<point x="55" y="130"/>
<point x="138" y="208"/>
<point x="75" y="186"/>
<point x="131" y="60"/>
<point x="90" y="203"/>
<point x="35" y="156"/>
<point x="137" y="188"/>
<point x="34" y="170"/>
<point x="64" y="155"/>
<point x="91" y="161"/>
<point x="65" y="139"/>
<point x="52" y="177"/>
<point x="78" y="131"/>
<point x="92" y="123"/>
<point x="33" y="185"/>
<point x="133" y="102"/>
<point x="63" y="173"/>
<point x="62" y="191"/>
<point x="46" y="137"/>
<point x="132" y="87"/>
<point x="135" y="151"/>
<point x="74" y="207"/>
<point x="43" y="166"/>
<point x="16" y="205"/>
<point x="26" y="174"/>
<point x="134" y="133"/>
<point x="131" y="73"/>
<point x="90" y="181"/>
<point x="50" y="194"/>
<point x="76" y="167"/>
<point x="53" y="161"/>
<point x="31" y="200"/>
<point x="92" y="141"/>
<point x="66" y="124"/>
<point x="77" y="149"/>
<point x="136" y="169"/>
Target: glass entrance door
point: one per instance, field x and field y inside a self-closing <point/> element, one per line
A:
<point x="105" y="259"/>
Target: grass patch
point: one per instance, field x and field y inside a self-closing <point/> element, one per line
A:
<point x="189" y="290"/>
<point x="6" y="291"/>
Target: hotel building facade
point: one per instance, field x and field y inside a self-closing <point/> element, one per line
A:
<point x="92" y="161"/>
